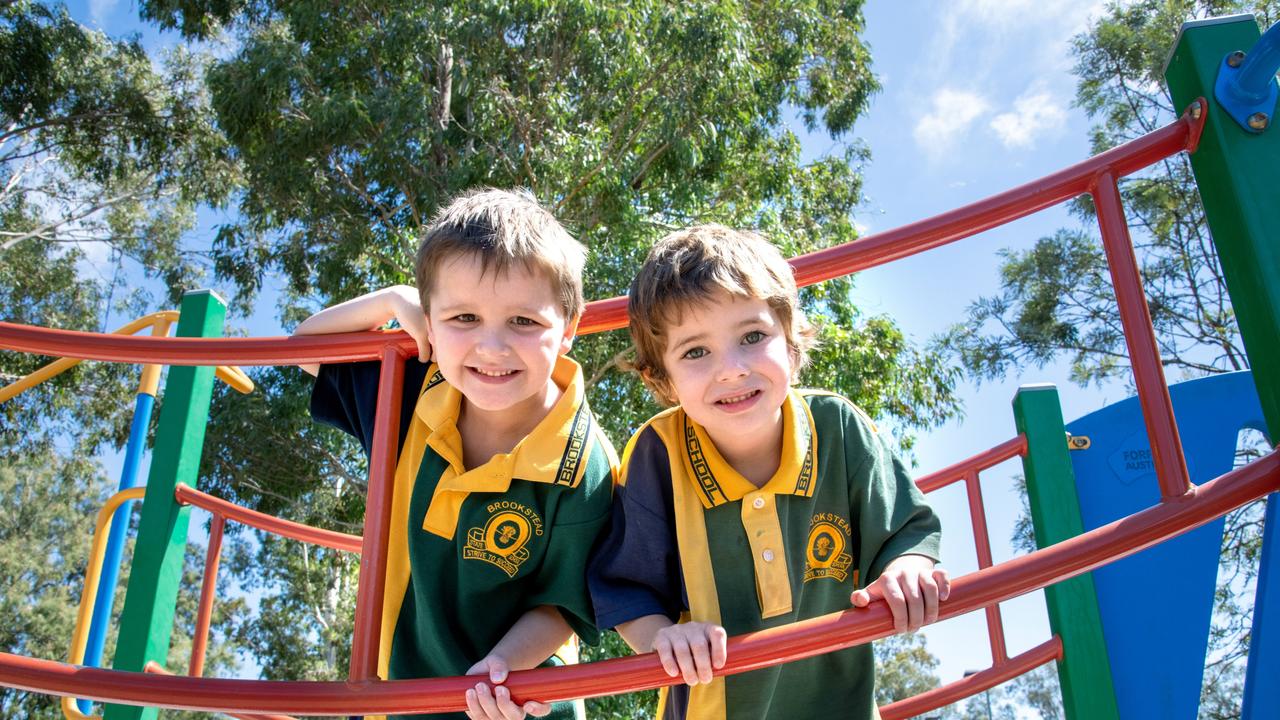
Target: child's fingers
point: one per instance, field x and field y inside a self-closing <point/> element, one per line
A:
<point x="719" y="646"/>
<point x="863" y="597"/>
<point x="943" y="578"/>
<point x="929" y="591"/>
<point x="507" y="709"/>
<point x="667" y="656"/>
<point x="473" y="706"/>
<point x="915" y="603"/>
<point x="485" y="707"/>
<point x="892" y="595"/>
<point x="537" y="709"/>
<point x="701" y="659"/>
<point x="684" y="658"/>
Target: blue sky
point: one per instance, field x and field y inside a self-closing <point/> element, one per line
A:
<point x="977" y="98"/>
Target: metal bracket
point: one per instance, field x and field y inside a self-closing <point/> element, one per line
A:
<point x="1246" y="85"/>
<point x="1078" y="442"/>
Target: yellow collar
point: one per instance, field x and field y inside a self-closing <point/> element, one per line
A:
<point x="554" y="453"/>
<point x="718" y="483"/>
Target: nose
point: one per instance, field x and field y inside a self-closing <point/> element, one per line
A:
<point x="491" y="343"/>
<point x="732" y="367"/>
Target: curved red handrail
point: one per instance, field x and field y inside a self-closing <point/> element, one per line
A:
<point x="188" y="495"/>
<point x="601" y="315"/>
<point x="973" y="684"/>
<point x="746" y="652"/>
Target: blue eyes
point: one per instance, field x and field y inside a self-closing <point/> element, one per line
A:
<point x="694" y="353"/>
<point x="753" y="337"/>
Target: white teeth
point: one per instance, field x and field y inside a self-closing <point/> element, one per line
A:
<point x="737" y="398"/>
<point x="494" y="373"/>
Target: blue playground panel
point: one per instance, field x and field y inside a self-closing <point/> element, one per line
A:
<point x="1156" y="606"/>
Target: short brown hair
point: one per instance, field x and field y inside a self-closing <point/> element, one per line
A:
<point x="688" y="267"/>
<point x="504" y="229"/>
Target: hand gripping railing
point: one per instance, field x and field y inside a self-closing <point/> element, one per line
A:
<point x="748" y="652"/>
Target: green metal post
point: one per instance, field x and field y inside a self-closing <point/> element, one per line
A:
<point x="1084" y="671"/>
<point x="146" y="622"/>
<point x="1238" y="174"/>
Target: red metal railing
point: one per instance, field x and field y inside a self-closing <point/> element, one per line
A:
<point x="989" y="585"/>
<point x="641" y="672"/>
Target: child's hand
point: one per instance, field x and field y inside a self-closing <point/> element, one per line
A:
<point x="406" y="307"/>
<point x="484" y="704"/>
<point x="691" y="650"/>
<point x="912" y="586"/>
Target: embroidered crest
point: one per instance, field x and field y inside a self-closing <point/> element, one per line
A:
<point x="502" y="539"/>
<point x="826" y="552"/>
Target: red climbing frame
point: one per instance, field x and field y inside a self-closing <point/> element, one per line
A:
<point x="1184" y="507"/>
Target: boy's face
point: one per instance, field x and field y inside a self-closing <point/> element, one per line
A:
<point x="496" y="336"/>
<point x="729" y="366"/>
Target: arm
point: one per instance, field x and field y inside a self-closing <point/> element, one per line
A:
<point x="369" y="311"/>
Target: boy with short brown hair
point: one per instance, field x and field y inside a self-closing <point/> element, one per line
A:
<point x="752" y="504"/>
<point x="504" y="477"/>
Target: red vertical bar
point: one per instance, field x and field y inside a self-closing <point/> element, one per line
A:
<point x="212" y="557"/>
<point x="377" y="519"/>
<point x="982" y="543"/>
<point x="1144" y="354"/>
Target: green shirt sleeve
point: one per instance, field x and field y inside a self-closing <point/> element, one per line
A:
<point x="893" y="518"/>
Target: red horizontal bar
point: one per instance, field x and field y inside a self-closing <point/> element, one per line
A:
<point x="284" y="528"/>
<point x="987" y="459"/>
<point x="975" y="683"/>
<point x="154" y="667"/>
<point x="746" y="652"/>
<point x="610" y="314"/>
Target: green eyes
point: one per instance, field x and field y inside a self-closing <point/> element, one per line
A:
<point x="752" y="338"/>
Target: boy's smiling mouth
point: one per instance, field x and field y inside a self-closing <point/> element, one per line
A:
<point x="735" y="401"/>
<point x="495" y="374"/>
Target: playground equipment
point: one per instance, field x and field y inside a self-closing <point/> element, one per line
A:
<point x="1237" y="172"/>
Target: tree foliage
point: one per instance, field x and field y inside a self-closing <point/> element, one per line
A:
<point x="354" y="124"/>
<point x="1056" y="299"/>
<point x="339" y="129"/>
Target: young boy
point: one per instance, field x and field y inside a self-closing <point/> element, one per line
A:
<point x="752" y="504"/>
<point x="504" y="478"/>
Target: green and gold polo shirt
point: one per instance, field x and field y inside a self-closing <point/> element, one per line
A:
<point x="470" y="551"/>
<point x="692" y="539"/>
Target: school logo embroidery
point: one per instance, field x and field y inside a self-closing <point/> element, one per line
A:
<point x="502" y="539"/>
<point x="826" y="553"/>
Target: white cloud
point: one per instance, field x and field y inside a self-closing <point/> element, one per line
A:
<point x="953" y="112"/>
<point x="1035" y="113"/>
<point x="99" y="10"/>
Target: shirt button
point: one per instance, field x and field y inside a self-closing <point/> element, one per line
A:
<point x="767" y="555"/>
<point x="757" y="503"/>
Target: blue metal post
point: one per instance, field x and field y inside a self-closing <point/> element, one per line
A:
<point x="1261" y="692"/>
<point x="115" y="541"/>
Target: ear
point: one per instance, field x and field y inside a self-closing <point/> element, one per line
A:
<point x="570" y="331"/>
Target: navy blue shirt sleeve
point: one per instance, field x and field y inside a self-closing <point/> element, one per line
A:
<point x="345" y="396"/>
<point x="635" y="567"/>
